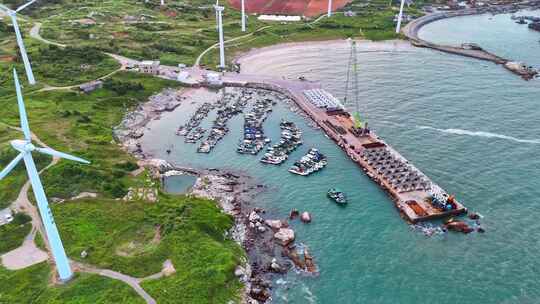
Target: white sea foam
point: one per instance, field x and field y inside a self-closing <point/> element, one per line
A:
<point x="481" y="134"/>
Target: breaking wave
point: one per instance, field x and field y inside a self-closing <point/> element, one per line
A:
<point x="481" y="134"/>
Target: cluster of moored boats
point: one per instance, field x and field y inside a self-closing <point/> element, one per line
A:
<point x="310" y="163"/>
<point x="195" y="120"/>
<point x="291" y="138"/>
<point x="534" y="21"/>
<point x="225" y="112"/>
<point x="194" y="135"/>
<point x="254" y="139"/>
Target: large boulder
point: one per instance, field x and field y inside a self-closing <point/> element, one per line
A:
<point x="458" y="226"/>
<point x="305" y="217"/>
<point x="284" y="236"/>
<point x="254" y="217"/>
<point x="274" y="224"/>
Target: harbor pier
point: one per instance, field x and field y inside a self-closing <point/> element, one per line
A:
<point x="414" y="194"/>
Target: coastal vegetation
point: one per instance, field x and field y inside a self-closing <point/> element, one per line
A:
<point x="136" y="238"/>
<point x="83" y="123"/>
<point x="71" y="65"/>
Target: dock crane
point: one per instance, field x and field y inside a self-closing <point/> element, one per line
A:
<point x="360" y="127"/>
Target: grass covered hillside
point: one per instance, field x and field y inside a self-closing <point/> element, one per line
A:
<point x="135" y="238"/>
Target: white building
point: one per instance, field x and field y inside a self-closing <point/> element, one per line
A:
<point x="213" y="79"/>
<point x="149" y="67"/>
<point x="6" y="216"/>
<point x="281" y="18"/>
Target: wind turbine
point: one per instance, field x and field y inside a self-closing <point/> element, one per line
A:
<point x="329" y="14"/>
<point x="25" y="147"/>
<point x="26" y="61"/>
<point x="400" y="16"/>
<point x="243" y="16"/>
<point x="219" y="11"/>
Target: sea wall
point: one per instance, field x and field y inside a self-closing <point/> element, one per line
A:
<point x="411" y="32"/>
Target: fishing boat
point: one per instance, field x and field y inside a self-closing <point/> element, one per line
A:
<point x="312" y="162"/>
<point x="337" y="196"/>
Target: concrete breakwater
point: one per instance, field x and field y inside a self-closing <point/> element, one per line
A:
<point x="472" y="50"/>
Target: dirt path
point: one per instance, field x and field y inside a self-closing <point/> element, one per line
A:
<point x="53" y="88"/>
<point x="34" y="33"/>
<point x="198" y="61"/>
<point x="131" y="281"/>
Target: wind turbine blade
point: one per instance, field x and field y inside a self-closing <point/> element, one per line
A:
<point x="20" y="42"/>
<point x="7" y="9"/>
<point x="22" y="111"/>
<point x="53" y="152"/>
<point x="11" y="165"/>
<point x="25" y="6"/>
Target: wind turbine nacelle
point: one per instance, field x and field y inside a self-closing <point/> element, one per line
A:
<point x="22" y="145"/>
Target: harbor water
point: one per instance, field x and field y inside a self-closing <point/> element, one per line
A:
<point x="178" y="184"/>
<point x="471" y="126"/>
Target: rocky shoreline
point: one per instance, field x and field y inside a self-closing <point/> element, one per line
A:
<point x="269" y="243"/>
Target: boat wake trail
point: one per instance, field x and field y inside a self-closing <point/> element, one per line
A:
<point x="481" y="134"/>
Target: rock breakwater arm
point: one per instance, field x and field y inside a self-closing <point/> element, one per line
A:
<point x="467" y="49"/>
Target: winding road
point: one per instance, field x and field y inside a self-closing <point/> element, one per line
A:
<point x="213" y="46"/>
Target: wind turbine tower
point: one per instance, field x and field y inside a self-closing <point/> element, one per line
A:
<point x="219" y="11"/>
<point x="243" y="16"/>
<point x="400" y="16"/>
<point x="20" y="42"/>
<point x="329" y="8"/>
<point x="25" y="149"/>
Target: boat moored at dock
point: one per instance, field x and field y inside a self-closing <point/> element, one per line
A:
<point x="310" y="163"/>
<point x="291" y="138"/>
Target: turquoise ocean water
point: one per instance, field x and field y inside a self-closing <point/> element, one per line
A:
<point x="471" y="126"/>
